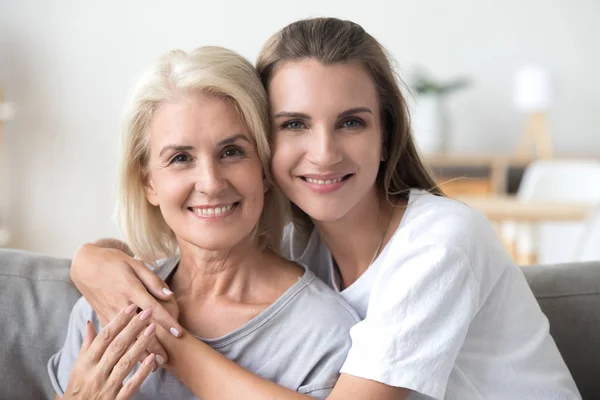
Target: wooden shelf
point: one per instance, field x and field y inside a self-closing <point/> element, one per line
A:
<point x="480" y="173"/>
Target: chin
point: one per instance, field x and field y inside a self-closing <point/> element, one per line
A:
<point x="216" y="242"/>
<point x="330" y="213"/>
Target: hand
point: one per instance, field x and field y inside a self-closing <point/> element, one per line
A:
<point x="106" y="359"/>
<point x="110" y="280"/>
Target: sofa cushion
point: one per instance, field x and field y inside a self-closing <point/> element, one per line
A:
<point x="37" y="297"/>
<point x="569" y="295"/>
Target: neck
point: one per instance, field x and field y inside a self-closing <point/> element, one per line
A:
<point x="228" y="273"/>
<point x="356" y="238"/>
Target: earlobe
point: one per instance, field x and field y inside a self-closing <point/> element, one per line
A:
<point x="266" y="185"/>
<point x="151" y="194"/>
<point x="384" y="155"/>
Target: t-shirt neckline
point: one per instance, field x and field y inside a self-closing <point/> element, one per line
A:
<point x="256" y="322"/>
<point x="334" y="275"/>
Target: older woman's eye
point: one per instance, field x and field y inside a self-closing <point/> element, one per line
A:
<point x="233" y="152"/>
<point x="293" y="125"/>
<point x="180" y="159"/>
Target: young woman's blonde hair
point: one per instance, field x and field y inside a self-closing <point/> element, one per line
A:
<point x="213" y="71"/>
<point x="331" y="41"/>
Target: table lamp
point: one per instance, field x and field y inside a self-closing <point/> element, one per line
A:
<point x="533" y="95"/>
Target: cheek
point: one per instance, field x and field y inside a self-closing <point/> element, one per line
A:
<point x="285" y="154"/>
<point x="172" y="187"/>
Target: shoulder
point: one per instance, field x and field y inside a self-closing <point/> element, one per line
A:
<point x="442" y="243"/>
<point x="324" y="306"/>
<point x="164" y="267"/>
<point x="444" y="219"/>
<point x="294" y="243"/>
<point x="447" y="225"/>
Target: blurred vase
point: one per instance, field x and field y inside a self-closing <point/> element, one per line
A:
<point x="429" y="123"/>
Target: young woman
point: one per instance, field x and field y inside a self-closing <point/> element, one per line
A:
<point x="195" y="186"/>
<point x="445" y="312"/>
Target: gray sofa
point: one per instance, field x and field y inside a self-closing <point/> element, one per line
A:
<point x="37" y="297"/>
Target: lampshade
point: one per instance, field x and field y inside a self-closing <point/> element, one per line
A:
<point x="7" y="111"/>
<point x="532" y="89"/>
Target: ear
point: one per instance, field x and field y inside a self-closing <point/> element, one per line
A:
<point x="384" y="153"/>
<point x="151" y="194"/>
<point x="266" y="185"/>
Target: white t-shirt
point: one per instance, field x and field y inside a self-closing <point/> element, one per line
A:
<point x="446" y="312"/>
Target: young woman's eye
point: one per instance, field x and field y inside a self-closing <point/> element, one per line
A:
<point x="293" y="125"/>
<point x="233" y="152"/>
<point x="352" y="123"/>
<point x="180" y="159"/>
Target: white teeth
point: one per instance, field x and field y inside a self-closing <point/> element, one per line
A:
<point x="322" y="182"/>
<point x="212" y="211"/>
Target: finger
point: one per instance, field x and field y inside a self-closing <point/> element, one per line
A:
<point x="109" y="332"/>
<point x="135" y="382"/>
<point x="126" y="363"/>
<point x="155" y="347"/>
<point x="147" y="290"/>
<point x="159" y="313"/>
<point x="90" y="335"/>
<point x="124" y="340"/>
<point x="153" y="284"/>
<point x="143" y="356"/>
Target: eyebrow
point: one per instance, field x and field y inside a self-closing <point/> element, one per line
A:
<point x="224" y="142"/>
<point x="343" y="114"/>
<point x="233" y="139"/>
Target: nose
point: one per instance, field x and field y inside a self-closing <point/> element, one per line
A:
<point x="210" y="179"/>
<point x="323" y="147"/>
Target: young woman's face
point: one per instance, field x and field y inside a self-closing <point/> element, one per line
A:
<point x="327" y="136"/>
<point x="204" y="172"/>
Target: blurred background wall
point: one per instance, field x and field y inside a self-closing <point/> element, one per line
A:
<point x="68" y="65"/>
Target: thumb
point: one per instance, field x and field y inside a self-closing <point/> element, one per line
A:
<point x="153" y="284"/>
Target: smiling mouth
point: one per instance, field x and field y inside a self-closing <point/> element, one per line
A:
<point x="326" y="181"/>
<point x="214" y="210"/>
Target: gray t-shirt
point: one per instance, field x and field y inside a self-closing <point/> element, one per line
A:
<point x="300" y="342"/>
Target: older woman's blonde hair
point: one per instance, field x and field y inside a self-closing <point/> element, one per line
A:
<point x="214" y="71"/>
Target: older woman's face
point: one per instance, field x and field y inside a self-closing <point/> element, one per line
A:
<point x="204" y="172"/>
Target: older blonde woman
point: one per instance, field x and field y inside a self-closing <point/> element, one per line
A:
<point x="195" y="186"/>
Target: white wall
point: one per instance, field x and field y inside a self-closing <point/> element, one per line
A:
<point x="68" y="65"/>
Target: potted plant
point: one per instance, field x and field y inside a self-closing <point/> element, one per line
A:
<point x="429" y="118"/>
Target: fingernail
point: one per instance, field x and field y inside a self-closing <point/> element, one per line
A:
<point x="174" y="332"/>
<point x="160" y="359"/>
<point x="150" y="329"/>
<point x="149" y="359"/>
<point x="130" y="309"/>
<point x="145" y="314"/>
<point x="166" y="291"/>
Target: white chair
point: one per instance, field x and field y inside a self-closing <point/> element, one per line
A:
<point x="554" y="180"/>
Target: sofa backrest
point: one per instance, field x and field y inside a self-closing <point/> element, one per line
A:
<point x="569" y="295"/>
<point x="37" y="297"/>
